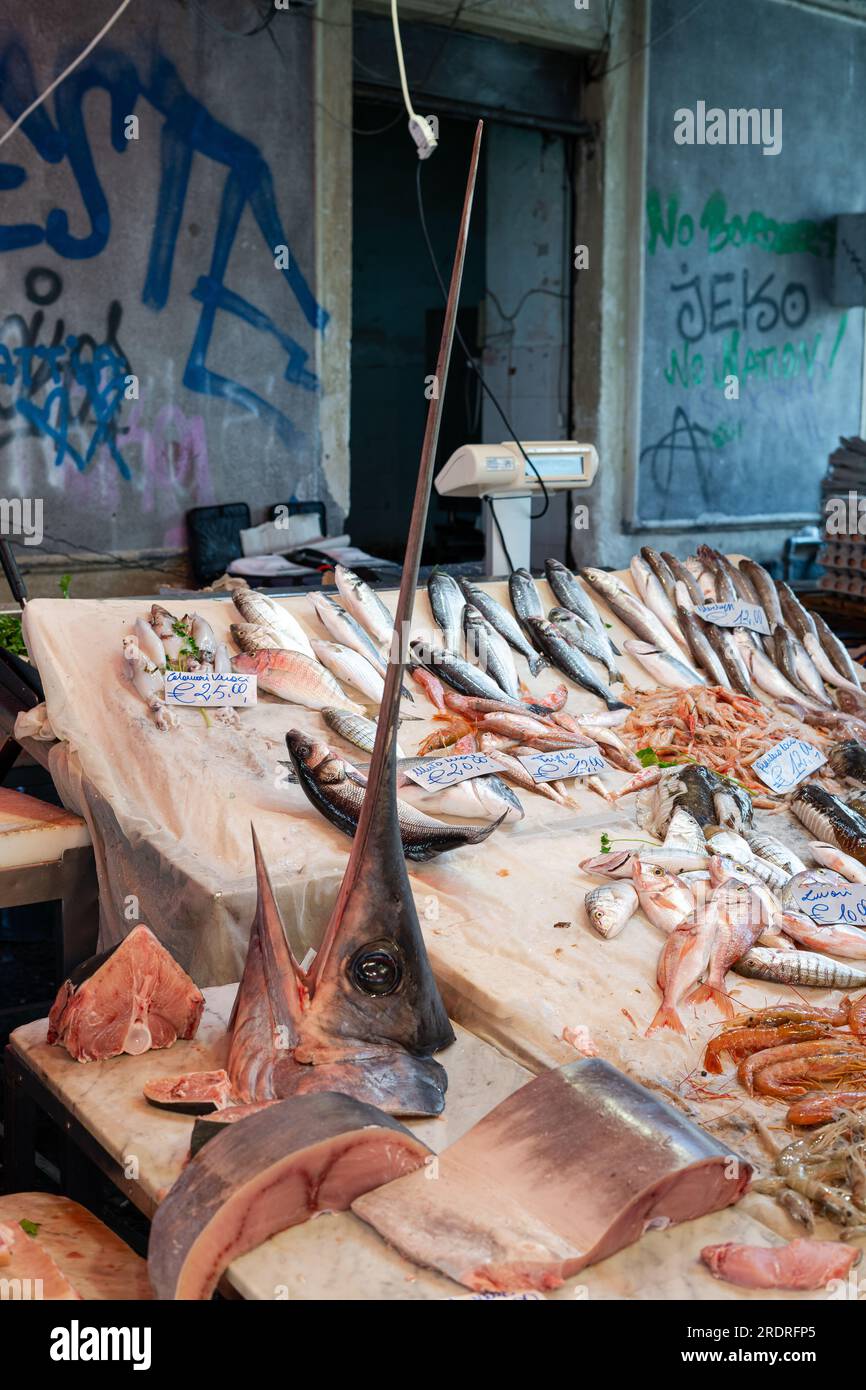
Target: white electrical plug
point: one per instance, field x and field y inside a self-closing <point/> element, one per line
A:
<point x="424" y="136"/>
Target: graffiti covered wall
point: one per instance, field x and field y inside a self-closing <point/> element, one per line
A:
<point x="158" y="319"/>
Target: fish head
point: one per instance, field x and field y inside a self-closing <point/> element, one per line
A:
<point x="616" y="864"/>
<point x="307" y="751"/>
<point x="649" y="877"/>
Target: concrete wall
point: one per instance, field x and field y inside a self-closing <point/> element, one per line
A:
<point x="153" y="258"/>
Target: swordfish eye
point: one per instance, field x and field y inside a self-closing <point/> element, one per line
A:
<point x="376" y="969"/>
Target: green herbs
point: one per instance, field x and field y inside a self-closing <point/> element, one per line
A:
<point x="605" y="842"/>
<point x="189" y="650"/>
<point x="64" y="583"/>
<point x="29" y="1228"/>
<point x="10" y="634"/>
<point x="648" y="757"/>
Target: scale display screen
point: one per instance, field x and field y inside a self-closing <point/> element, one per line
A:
<point x="552" y="466"/>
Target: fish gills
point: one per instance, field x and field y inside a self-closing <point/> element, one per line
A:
<point x="275" y="1169"/>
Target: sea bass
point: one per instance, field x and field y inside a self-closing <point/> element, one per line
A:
<point x="490" y="650"/>
<point x="505" y="624"/>
<point x="364" y="605"/>
<point x="665" y="669"/>
<point x="586" y="639"/>
<point x="571" y="594"/>
<point x="446" y="603"/>
<point x="643" y="623"/>
<point x="570" y="659"/>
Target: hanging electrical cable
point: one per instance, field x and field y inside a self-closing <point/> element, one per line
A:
<point x="419" y="127"/>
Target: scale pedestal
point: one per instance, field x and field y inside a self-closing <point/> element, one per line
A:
<point x="514" y="515"/>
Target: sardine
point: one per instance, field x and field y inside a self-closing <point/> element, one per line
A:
<point x="837" y="652"/>
<point x="796" y="617"/>
<point x="586" y="639"/>
<point x="459" y="674"/>
<point x="798" y="968"/>
<point x="446" y="604"/>
<point x="847" y="759"/>
<point x="255" y="607"/>
<point x="643" y="623"/>
<point x="832" y="858"/>
<point x="830" y="820"/>
<point x="365" y="605"/>
<point x="337" y="790"/>
<point x="610" y="907"/>
<point x="682" y="574"/>
<point x="354" y="728"/>
<point x="767" y="847"/>
<point x="570" y="659"/>
<point x="348" y="665"/>
<point x="571" y="594"/>
<point x="722" y="641"/>
<point x="296" y="678"/>
<point x="703" y="652"/>
<point x="505" y="624"/>
<point x="665" y="669"/>
<point x="489" y="649"/>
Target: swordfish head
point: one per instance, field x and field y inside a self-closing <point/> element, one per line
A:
<point x="365" y="1025"/>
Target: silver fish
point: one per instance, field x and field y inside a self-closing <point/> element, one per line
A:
<point x="569" y="659"/>
<point x="485" y="798"/>
<point x="610" y="907"/>
<point x="349" y="666"/>
<point x="682" y="574"/>
<point x="763" y="672"/>
<point x="365" y="605"/>
<point x="664" y="668"/>
<point x="489" y="649"/>
<point x="767" y="847"/>
<point x="674" y="859"/>
<point x="446" y="603"/>
<point x="837" y="652"/>
<point x="643" y="623"/>
<point x="584" y="636"/>
<point x="742" y="585"/>
<point x="807" y="879"/>
<point x="571" y="594"/>
<point x="827" y="668"/>
<point x="459" y="674"/>
<point x="525" y="599"/>
<point x="683" y="831"/>
<point x="505" y="624"/>
<point x="797" y="618"/>
<point x="653" y="594"/>
<point x="796" y="666"/>
<point x="256" y="637"/>
<point x="798" y="968"/>
<point x="765" y="589"/>
<point x="354" y="728"/>
<point x="255" y="607"/>
<point x="722" y="641"/>
<point x="705" y="655"/>
<point x="348" y="632"/>
<point x="660" y="568"/>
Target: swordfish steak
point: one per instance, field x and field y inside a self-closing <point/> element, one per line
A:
<point x="133" y="998"/>
<point x="571" y="1168"/>
<point x="277" y="1167"/>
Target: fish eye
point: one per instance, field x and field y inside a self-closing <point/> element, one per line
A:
<point x="375" y="970"/>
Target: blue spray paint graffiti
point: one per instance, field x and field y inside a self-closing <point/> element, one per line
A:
<point x="188" y="130"/>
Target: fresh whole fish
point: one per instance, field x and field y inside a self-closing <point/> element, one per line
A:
<point x="723" y="643"/>
<point x="799" y="968"/>
<point x="364" y="605"/>
<point x="515" y="772"/>
<point x="255" y="607"/>
<point x="525" y="598"/>
<point x="348" y="665"/>
<point x="296" y="678"/>
<point x="673" y="859"/>
<point x="847" y="759"/>
<point x="743" y="587"/>
<point x="826" y="668"/>
<point x="737" y="848"/>
<point x="830" y="820"/>
<point x="610" y="907"/>
<point x="572" y="595"/>
<point x="643" y="623"/>
<point x="653" y="595"/>
<point x="837" y="939"/>
<point x="739" y="921"/>
<point x="788" y="896"/>
<point x="703" y="652"/>
<point x="461" y="675"/>
<point x="682" y="574"/>
<point x="796" y="617"/>
<point x="348" y="632"/>
<point x="611" y="745"/>
<point x="837" y="652"/>
<point x="489" y="649"/>
<point x="767" y="847"/>
<point x="446" y="604"/>
<point x="354" y="728"/>
<point x="683" y="960"/>
<point x="765" y="675"/>
<point x="256" y="637"/>
<point x="487" y="797"/>
<point x="709" y="797"/>
<point x="528" y="729"/>
<point x="570" y="660"/>
<point x="505" y="624"/>
<point x="665" y="669"/>
<point x="723" y="585"/>
<point x="586" y="639"/>
<point x="832" y="858"/>
<point x="797" y="666"/>
<point x="660" y="568"/>
<point x="337" y="790"/>
<point x="765" y="589"/>
<point x="664" y="899"/>
<point x="684" y="830"/>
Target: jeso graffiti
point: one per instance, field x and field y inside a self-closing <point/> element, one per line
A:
<point x="54" y="381"/>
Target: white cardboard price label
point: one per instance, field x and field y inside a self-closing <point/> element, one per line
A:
<point x="433" y="773"/>
<point x="566" y="762"/>
<point x="828" y="904"/>
<point x="786" y="765"/>
<point x="739" y="614"/>
<point x="206" y="690"/>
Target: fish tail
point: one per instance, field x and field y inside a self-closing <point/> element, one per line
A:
<point x="615" y="704"/>
<point x="537" y="664"/>
<point x="666" y="1017"/>
<point x="714" y="994"/>
<point x="702" y="994"/>
<point x="616" y="651"/>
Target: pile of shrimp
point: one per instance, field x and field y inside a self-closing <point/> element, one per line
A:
<point x="822" y="1174"/>
<point x="722" y="729"/>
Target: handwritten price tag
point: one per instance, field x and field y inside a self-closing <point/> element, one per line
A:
<point x="786" y="765"/>
<point x="567" y="762"/>
<point x="208" y="691"/>
<point x="829" y="905"/>
<point x="434" y="773"/>
<point x="738" y="614"/>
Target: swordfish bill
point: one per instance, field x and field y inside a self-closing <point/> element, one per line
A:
<point x="371" y="979"/>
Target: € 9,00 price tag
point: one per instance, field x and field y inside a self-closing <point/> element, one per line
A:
<point x="786" y="765"/>
<point x="566" y="762"/>
<point x="205" y="690"/>
<point x="739" y="614"/>
<point x="432" y="773"/>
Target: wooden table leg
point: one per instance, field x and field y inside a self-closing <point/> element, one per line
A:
<point x="19" y="1143"/>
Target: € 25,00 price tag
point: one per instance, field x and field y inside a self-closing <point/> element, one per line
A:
<point x="567" y="762"/>
<point x="205" y="690"/>
<point x="432" y="773"/>
<point x="738" y="614"/>
<point x="786" y="765"/>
